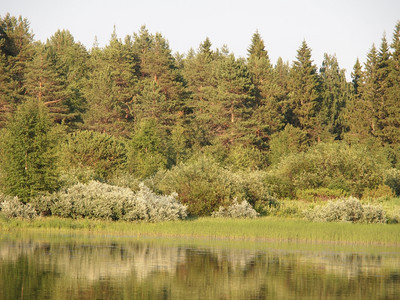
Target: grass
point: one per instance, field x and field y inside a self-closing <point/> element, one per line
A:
<point x="265" y="228"/>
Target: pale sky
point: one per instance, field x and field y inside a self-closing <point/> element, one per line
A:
<point x="346" y="28"/>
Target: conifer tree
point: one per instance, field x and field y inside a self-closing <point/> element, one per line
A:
<point x="43" y="83"/>
<point x="15" y="51"/>
<point x="29" y="161"/>
<point x="111" y="88"/>
<point x="234" y="98"/>
<point x="198" y="73"/>
<point x="268" y="113"/>
<point x="156" y="64"/>
<point x="335" y="92"/>
<point x="304" y="93"/>
<point x="69" y="60"/>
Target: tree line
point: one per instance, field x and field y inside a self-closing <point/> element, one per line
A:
<point x="133" y="105"/>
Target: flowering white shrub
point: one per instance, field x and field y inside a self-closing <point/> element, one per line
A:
<point x="236" y="210"/>
<point x="98" y="200"/>
<point x="347" y="210"/>
<point x="12" y="207"/>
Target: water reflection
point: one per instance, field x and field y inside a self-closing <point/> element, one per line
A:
<point x="54" y="267"/>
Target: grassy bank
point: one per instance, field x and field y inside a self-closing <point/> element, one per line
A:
<point x="266" y="228"/>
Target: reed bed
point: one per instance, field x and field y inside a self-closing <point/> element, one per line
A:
<point x="264" y="228"/>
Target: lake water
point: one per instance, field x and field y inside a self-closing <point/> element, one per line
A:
<point x="78" y="266"/>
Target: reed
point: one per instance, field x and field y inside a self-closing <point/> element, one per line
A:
<point x="265" y="228"/>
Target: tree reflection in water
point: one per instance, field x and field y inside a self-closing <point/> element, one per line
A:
<point x="48" y="268"/>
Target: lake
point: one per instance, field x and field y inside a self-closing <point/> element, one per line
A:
<point x="69" y="265"/>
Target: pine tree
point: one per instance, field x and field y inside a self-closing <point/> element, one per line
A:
<point x="43" y="83"/>
<point x="157" y="64"/>
<point x="69" y="60"/>
<point x="304" y="93"/>
<point x="29" y="152"/>
<point x="111" y="88"/>
<point x="234" y="99"/>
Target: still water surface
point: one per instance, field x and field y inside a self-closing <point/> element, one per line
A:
<point x="73" y="266"/>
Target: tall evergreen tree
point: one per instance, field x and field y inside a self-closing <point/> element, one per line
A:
<point x="391" y="124"/>
<point x="15" y="51"/>
<point x="29" y="152"/>
<point x="198" y="73"/>
<point x="111" y="88"/>
<point x="158" y="69"/>
<point x="304" y="93"/>
<point x="268" y="113"/>
<point x="335" y="93"/>
<point x="69" y="60"/>
<point x="234" y="98"/>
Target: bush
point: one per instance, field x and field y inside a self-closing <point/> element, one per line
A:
<point x="374" y="214"/>
<point x="334" y="166"/>
<point x="204" y="186"/>
<point x="320" y="194"/>
<point x="347" y="210"/>
<point x="97" y="200"/>
<point x="12" y="207"/>
<point x="382" y="191"/>
<point x="392" y="179"/>
<point x="236" y="210"/>
<point x="87" y="151"/>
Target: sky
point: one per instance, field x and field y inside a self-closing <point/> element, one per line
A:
<point x="346" y="28"/>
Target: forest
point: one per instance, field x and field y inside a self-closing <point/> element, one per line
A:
<point x="96" y="133"/>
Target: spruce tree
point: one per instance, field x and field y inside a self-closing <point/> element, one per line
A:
<point x="29" y="161"/>
<point x="268" y="113"/>
<point x="335" y="92"/>
<point x="304" y="93"/>
<point x="15" y="51"/>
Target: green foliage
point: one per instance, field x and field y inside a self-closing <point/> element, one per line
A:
<point x="236" y="210"/>
<point x="241" y="157"/>
<point x="28" y="152"/>
<point x="392" y="179"/>
<point x="347" y="210"/>
<point x="88" y="150"/>
<point x="97" y="200"/>
<point x="203" y="185"/>
<point x="320" y="194"/>
<point x="334" y="166"/>
<point x="382" y="191"/>
<point x="147" y="150"/>
<point x="289" y="140"/>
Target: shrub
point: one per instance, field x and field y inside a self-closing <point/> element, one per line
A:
<point x="373" y="214"/>
<point x="333" y="166"/>
<point x="347" y="210"/>
<point x="148" y="149"/>
<point x="382" y="191"/>
<point x="85" y="151"/>
<point x="290" y="140"/>
<point x="320" y="194"/>
<point x="392" y="179"/>
<point x="97" y="200"/>
<point x="154" y="208"/>
<point x="236" y="210"/>
<point x="12" y="207"/>
<point x="204" y="186"/>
